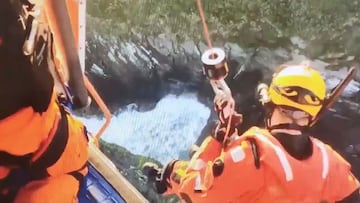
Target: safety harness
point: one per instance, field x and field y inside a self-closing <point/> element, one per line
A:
<point x="30" y="170"/>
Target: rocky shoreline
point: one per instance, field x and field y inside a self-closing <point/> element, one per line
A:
<point x="138" y="83"/>
<point x="145" y="65"/>
<point x="144" y="70"/>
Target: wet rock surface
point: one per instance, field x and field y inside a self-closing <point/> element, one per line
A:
<point x="143" y="72"/>
<point x="160" y="54"/>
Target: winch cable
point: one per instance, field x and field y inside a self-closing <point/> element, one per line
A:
<point x="206" y="33"/>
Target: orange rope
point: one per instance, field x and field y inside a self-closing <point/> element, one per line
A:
<point x="209" y="44"/>
<point x="228" y="126"/>
<point x="102" y="106"/>
<point x="205" y="27"/>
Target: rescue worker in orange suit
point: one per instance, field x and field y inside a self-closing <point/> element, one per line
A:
<point x="281" y="163"/>
<point x="43" y="149"/>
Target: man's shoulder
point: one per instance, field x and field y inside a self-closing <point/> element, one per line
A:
<point x="334" y="157"/>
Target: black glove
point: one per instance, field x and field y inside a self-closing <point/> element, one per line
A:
<point x="160" y="176"/>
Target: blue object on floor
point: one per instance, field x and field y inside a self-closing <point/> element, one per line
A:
<point x="96" y="189"/>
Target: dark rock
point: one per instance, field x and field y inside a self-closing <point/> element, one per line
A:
<point x="143" y="71"/>
<point x="130" y="166"/>
<point x="145" y="67"/>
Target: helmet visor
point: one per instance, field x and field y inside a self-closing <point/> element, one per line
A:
<point x="299" y="95"/>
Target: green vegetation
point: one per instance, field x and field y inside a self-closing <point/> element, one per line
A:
<point x="327" y="23"/>
<point x="122" y="158"/>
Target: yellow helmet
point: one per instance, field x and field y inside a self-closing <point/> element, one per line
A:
<point x="298" y="86"/>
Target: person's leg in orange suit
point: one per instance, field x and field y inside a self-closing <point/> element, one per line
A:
<point x="60" y="189"/>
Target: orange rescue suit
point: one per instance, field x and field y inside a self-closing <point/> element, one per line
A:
<point x="52" y="146"/>
<point x="324" y="177"/>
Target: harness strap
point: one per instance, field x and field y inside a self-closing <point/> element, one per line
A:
<point x="78" y="175"/>
<point x="28" y="171"/>
<point x="7" y="159"/>
<point x="10" y="185"/>
<point x="255" y="151"/>
<point x="54" y="150"/>
<point x="44" y="157"/>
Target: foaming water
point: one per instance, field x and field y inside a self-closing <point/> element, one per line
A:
<point x="163" y="133"/>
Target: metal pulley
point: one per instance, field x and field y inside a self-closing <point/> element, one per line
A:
<point x="214" y="64"/>
<point x="216" y="69"/>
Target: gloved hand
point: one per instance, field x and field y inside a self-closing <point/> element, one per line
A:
<point x="222" y="107"/>
<point x="160" y="176"/>
<point x="220" y="130"/>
